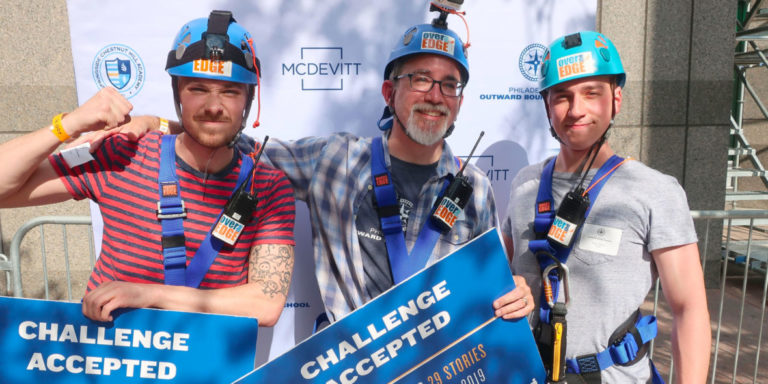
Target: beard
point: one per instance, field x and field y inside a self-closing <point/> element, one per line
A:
<point x="212" y="138"/>
<point x="427" y="132"/>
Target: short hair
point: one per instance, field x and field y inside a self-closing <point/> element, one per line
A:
<point x="397" y="66"/>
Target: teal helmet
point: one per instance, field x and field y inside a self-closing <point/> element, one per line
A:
<point x="427" y="38"/>
<point x="216" y="48"/>
<point x="580" y="55"/>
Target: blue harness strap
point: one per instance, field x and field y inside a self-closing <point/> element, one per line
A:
<point x="545" y="215"/>
<point x="545" y="209"/>
<point x="171" y="212"/>
<point x="211" y="245"/>
<point x="402" y="264"/>
<point x="623" y="350"/>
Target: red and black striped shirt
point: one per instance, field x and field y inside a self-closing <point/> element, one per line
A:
<point x="122" y="180"/>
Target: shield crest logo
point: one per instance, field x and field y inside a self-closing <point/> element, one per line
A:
<point x="118" y="72"/>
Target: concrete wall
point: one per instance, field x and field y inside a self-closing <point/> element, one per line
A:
<point x="37" y="82"/>
<point x="678" y="57"/>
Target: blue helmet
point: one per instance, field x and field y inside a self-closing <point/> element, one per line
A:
<point x="426" y="38"/>
<point x="214" y="48"/>
<point x="582" y="54"/>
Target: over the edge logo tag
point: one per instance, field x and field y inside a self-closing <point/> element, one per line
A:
<point x="212" y="67"/>
<point x="575" y="65"/>
<point x="438" y="42"/>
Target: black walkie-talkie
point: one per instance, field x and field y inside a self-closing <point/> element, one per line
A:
<point x="569" y="217"/>
<point x="450" y="207"/>
<point x="239" y="209"/>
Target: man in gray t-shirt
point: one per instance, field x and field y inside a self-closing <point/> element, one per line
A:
<point x="638" y="227"/>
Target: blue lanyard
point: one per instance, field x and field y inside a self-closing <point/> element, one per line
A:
<point x="403" y="265"/>
<point x="171" y="213"/>
<point x="545" y="210"/>
<point x="542" y="248"/>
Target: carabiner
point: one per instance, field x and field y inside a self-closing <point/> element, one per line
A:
<point x="562" y="275"/>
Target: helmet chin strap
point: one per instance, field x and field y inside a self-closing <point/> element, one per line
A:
<point x="176" y="99"/>
<point x="247" y="110"/>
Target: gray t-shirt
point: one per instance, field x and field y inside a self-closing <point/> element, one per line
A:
<point x="409" y="179"/>
<point x="639" y="210"/>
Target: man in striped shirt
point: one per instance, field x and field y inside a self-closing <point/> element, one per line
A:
<point x="214" y="77"/>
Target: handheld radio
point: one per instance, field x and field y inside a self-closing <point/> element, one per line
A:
<point x="451" y="205"/>
<point x="569" y="217"/>
<point x="573" y="209"/>
<point x="239" y="209"/>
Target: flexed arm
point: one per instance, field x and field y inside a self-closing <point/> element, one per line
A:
<point x="26" y="177"/>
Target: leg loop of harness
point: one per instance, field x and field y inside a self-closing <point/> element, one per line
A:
<point x="628" y="345"/>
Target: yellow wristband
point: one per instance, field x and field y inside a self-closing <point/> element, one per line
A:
<point x="58" y="129"/>
<point x="164" y="126"/>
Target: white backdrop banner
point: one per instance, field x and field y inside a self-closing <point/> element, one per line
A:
<point x="322" y="69"/>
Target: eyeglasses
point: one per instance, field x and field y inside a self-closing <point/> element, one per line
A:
<point x="424" y="84"/>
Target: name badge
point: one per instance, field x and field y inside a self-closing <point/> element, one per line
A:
<point x="600" y="239"/>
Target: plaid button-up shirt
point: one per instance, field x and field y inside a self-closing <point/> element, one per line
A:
<point x="333" y="175"/>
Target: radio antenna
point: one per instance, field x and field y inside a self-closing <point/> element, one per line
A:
<point x="461" y="171"/>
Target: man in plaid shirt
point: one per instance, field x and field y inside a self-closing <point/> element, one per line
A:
<point x="423" y="91"/>
<point x="423" y="84"/>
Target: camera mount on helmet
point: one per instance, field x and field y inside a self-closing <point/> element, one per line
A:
<point x="434" y="38"/>
<point x="217" y="38"/>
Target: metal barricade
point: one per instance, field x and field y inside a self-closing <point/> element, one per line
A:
<point x="63" y="222"/>
<point x="736" y="302"/>
<point x="737" y="308"/>
<point x="7" y="268"/>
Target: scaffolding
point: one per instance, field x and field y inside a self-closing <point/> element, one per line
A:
<point x="743" y="160"/>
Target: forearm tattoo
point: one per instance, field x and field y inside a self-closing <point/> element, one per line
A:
<point x="270" y="267"/>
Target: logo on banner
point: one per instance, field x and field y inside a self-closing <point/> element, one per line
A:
<point x="119" y="66"/>
<point x="530" y="61"/>
<point x="118" y="72"/>
<point x="322" y="68"/>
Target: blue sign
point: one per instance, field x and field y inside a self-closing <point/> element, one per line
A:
<point x="49" y="341"/>
<point x="437" y="327"/>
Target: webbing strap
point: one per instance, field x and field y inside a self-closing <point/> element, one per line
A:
<point x="545" y="209"/>
<point x="402" y="264"/>
<point x="171" y="212"/>
<point x="545" y="215"/>
<point x="548" y="254"/>
<point x="211" y="245"/>
<point x="621" y="352"/>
